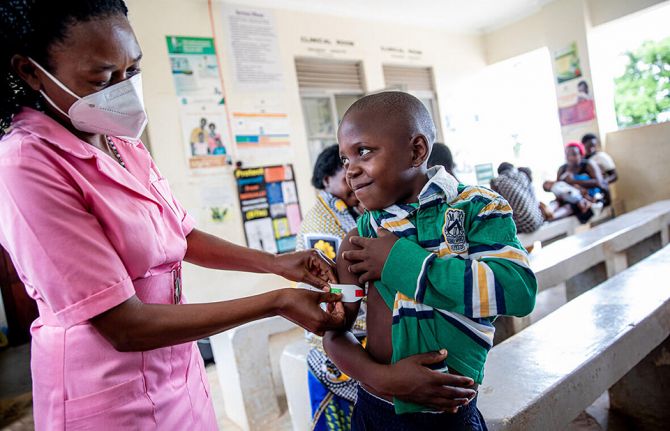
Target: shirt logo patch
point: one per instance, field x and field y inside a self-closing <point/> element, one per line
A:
<point x="454" y="230"/>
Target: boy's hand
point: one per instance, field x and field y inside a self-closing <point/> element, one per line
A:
<point x="370" y="255"/>
<point x="411" y="380"/>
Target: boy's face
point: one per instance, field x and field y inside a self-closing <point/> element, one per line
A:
<point x="383" y="163"/>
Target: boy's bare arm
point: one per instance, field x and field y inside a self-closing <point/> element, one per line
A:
<point x="342" y="347"/>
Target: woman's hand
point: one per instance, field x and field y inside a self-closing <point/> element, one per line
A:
<point x="411" y="380"/>
<point x="302" y="307"/>
<point x="308" y="266"/>
<point x="568" y="177"/>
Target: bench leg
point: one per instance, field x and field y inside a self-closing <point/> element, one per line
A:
<point x="583" y="282"/>
<point x="506" y="326"/>
<point x="665" y="235"/>
<point x="244" y="366"/>
<point x="645" y="248"/>
<point x="644" y="393"/>
<point x="616" y="263"/>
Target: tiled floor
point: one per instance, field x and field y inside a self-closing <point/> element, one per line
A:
<point x="16" y="413"/>
<point x="281" y="424"/>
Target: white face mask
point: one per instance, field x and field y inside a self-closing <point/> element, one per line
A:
<point x="117" y="110"/>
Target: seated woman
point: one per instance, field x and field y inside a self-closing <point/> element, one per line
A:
<point x="332" y="393"/>
<point x="584" y="176"/>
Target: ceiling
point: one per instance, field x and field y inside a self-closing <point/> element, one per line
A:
<point x="456" y="16"/>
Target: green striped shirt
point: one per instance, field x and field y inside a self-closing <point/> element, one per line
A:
<point x="457" y="265"/>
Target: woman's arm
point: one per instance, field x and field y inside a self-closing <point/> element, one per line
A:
<point x="561" y="171"/>
<point x="596" y="178"/>
<point x="307" y="266"/>
<point x="136" y="326"/>
<point x="611" y="176"/>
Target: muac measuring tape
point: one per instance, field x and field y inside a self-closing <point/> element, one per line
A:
<point x="349" y="292"/>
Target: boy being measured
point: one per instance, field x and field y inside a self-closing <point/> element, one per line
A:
<point x="441" y="261"/>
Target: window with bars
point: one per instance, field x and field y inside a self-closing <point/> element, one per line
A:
<point x="327" y="89"/>
<point x="417" y="81"/>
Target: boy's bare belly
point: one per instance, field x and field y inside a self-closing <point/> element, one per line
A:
<point x="379" y="341"/>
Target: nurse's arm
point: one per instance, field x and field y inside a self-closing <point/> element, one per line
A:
<point x="210" y="251"/>
<point x="136" y="326"/>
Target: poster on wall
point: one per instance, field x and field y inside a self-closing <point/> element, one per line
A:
<point x="260" y="134"/>
<point x="575" y="103"/>
<point x="217" y="198"/>
<point x="566" y="63"/>
<point x="270" y="207"/>
<point x="251" y="35"/>
<point x="205" y="133"/>
<point x="202" y="109"/>
<point x="195" y="71"/>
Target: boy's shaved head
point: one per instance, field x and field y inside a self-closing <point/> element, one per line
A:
<point x="385" y="140"/>
<point x="403" y="109"/>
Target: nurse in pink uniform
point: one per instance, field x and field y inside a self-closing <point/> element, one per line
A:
<point x="98" y="238"/>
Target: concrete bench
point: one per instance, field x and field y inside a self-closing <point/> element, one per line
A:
<point x="542" y="377"/>
<point x="555" y="230"/>
<point x="607" y="243"/>
<point x="586" y="259"/>
<point x="247" y="364"/>
<point x="550" y="231"/>
<point x="294" y="374"/>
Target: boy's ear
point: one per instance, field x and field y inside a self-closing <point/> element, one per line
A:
<point x="420" y="150"/>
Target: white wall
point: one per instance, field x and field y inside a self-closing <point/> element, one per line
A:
<point x="602" y="11"/>
<point x="556" y="25"/>
<point x="537" y="30"/>
<point x="453" y="58"/>
<point x="639" y="152"/>
<point x="642" y="156"/>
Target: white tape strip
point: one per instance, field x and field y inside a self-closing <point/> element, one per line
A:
<point x="350" y="292"/>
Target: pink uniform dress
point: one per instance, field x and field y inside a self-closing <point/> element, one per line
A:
<point x="85" y="235"/>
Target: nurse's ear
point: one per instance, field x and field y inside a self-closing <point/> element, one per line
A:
<point x="26" y="70"/>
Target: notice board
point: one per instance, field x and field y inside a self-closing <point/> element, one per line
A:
<point x="270" y="207"/>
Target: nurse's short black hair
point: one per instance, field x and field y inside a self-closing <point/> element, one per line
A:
<point x="327" y="164"/>
<point x="30" y="28"/>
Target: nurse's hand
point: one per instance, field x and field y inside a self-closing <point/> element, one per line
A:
<point x="302" y="307"/>
<point x="308" y="266"/>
